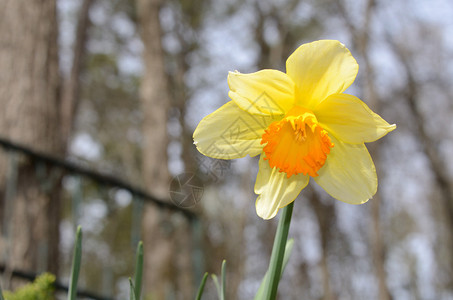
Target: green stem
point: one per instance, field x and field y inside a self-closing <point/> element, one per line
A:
<point x="278" y="252"/>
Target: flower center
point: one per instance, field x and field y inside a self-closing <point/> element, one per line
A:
<point x="297" y="143"/>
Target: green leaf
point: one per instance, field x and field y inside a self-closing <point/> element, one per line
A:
<point x="138" y="271"/>
<point x="288" y="249"/>
<point x="132" y="289"/>
<point x="217" y="286"/>
<point x="223" y="287"/>
<point x="75" y="269"/>
<point x="201" y="288"/>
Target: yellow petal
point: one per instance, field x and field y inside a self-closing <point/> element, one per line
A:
<point x="230" y="133"/>
<point x="275" y="190"/>
<point x="320" y="69"/>
<point x="351" y="120"/>
<point x="349" y="174"/>
<point x="266" y="92"/>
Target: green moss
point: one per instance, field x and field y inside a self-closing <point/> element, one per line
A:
<point x="41" y="289"/>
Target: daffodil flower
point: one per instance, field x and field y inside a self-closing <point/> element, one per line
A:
<point x="302" y="125"/>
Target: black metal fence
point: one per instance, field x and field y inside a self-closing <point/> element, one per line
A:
<point x="12" y="149"/>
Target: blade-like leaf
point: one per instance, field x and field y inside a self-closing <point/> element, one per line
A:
<point x="138" y="271"/>
<point x="75" y="269"/>
<point x="132" y="290"/>
<point x="223" y="287"/>
<point x="201" y="288"/>
<point x="217" y="286"/>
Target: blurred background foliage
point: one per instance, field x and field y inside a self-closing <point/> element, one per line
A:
<point x="41" y="289"/>
<point x="397" y="246"/>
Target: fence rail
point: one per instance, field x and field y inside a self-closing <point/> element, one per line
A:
<point x="102" y="179"/>
<point x="31" y="276"/>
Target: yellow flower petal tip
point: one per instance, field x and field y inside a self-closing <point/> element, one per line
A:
<point x="302" y="124"/>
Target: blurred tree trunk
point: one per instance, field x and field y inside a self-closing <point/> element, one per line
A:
<point x="361" y="36"/>
<point x="325" y="215"/>
<point x="163" y="275"/>
<point x="71" y="89"/>
<point x="437" y="165"/>
<point x="29" y="84"/>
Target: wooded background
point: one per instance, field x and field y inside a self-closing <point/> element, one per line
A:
<point x="118" y="86"/>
